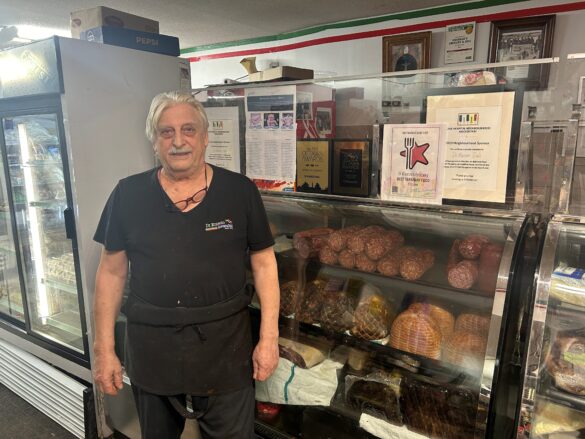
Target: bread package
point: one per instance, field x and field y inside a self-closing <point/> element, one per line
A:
<point x="416" y="332"/>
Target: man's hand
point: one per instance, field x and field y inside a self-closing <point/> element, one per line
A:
<point x="265" y="359"/>
<point x="108" y="373"/>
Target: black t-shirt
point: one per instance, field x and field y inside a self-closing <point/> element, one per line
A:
<point x="185" y="259"/>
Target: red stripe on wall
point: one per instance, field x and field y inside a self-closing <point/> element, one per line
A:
<point x="398" y="30"/>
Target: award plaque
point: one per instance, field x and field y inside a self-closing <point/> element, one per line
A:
<point x="351" y="167"/>
<point x="313" y="166"/>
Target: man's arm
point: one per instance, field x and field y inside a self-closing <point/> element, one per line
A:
<point x="109" y="290"/>
<point x="265" y="273"/>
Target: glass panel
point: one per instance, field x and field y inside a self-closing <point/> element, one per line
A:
<point x="36" y="174"/>
<point x="560" y="393"/>
<point x="10" y="292"/>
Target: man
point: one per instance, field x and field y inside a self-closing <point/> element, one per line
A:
<point x="186" y="229"/>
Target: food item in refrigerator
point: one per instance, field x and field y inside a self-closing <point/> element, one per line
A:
<point x="310" y="310"/>
<point x="443" y="318"/>
<point x="568" y="285"/>
<point x="289" y="297"/>
<point x="61" y="268"/>
<point x="394" y="240"/>
<point x="338" y="239"/>
<point x="376" y="246"/>
<point x="377" y="394"/>
<point x="463" y="275"/>
<point x="427" y="257"/>
<point x="267" y="410"/>
<point x="473" y="323"/>
<point x="327" y="255"/>
<point x="489" y="266"/>
<point x="346" y="258"/>
<point x="454" y="256"/>
<point x="553" y="418"/>
<point x="372" y="316"/>
<point x="309" y="242"/>
<point x="416" y="332"/>
<point x="470" y="247"/>
<point x="408" y="252"/>
<point x="336" y="311"/>
<point x="466" y="350"/>
<point x="566" y="364"/>
<point x="389" y="265"/>
<point x="438" y="410"/>
<point x="363" y="263"/>
<point x="300" y="353"/>
<point x="357" y="242"/>
<point x="412" y="268"/>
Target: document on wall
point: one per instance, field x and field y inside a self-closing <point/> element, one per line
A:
<point x="271" y="137"/>
<point x="459" y="43"/>
<point x="412" y="162"/>
<point x="223" y="148"/>
<point x="478" y="143"/>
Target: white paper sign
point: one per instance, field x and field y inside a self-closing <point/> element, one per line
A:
<point x="459" y="43"/>
<point x="412" y="162"/>
<point x="224" y="138"/>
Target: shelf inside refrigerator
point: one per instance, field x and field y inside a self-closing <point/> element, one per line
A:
<point x="60" y="285"/>
<point x="68" y="321"/>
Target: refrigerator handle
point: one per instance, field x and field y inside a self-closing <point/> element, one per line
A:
<point x="69" y="223"/>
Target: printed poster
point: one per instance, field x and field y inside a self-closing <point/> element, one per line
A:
<point x="412" y="163"/>
<point x="271" y="137"/>
<point x="459" y="43"/>
<point x="478" y="143"/>
<point x="223" y="148"/>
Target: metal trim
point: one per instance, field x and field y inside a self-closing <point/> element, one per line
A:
<point x="538" y="323"/>
<point x="568" y="164"/>
<point x="522" y="164"/>
<point x="493" y="342"/>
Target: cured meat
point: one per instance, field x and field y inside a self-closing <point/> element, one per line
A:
<point x="443" y="318"/>
<point x="327" y="255"/>
<point x="463" y="275"/>
<point x="416" y="332"/>
<point x="336" y="311"/>
<point x="470" y="247"/>
<point x="346" y="258"/>
<point x="473" y="324"/>
<point x="489" y="266"/>
<point x="363" y="263"/>
<point x="454" y="256"/>
<point x="309" y="242"/>
<point x="310" y="311"/>
<point x="465" y="349"/>
<point x="372" y="317"/>
<point x="389" y="265"/>
<point x="566" y="364"/>
<point x="289" y="296"/>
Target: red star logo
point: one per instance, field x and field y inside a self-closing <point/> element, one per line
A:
<point x="417" y="155"/>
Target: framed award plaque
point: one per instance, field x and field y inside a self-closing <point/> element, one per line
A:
<point x="314" y="166"/>
<point x="351" y="167"/>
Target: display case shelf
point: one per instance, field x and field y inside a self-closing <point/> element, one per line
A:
<point x="69" y="288"/>
<point x="557" y="396"/>
<point x="67" y="321"/>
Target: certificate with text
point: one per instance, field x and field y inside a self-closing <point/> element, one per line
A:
<point x="478" y="143"/>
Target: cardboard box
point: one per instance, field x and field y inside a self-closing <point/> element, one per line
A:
<point x="133" y="39"/>
<point x="281" y="73"/>
<point x="102" y="16"/>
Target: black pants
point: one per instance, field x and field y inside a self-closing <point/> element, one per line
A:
<point x="226" y="416"/>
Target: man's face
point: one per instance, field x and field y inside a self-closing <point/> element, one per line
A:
<point x="181" y="139"/>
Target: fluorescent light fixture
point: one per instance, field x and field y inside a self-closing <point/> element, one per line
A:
<point x="32" y="32"/>
<point x="35" y="232"/>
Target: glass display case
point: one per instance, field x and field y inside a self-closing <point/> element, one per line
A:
<point x="392" y="320"/>
<point x="553" y="397"/>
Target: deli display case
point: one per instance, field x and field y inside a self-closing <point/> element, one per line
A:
<point x="393" y="320"/>
<point x="553" y="396"/>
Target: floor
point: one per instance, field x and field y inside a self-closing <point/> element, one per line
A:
<point x="20" y="420"/>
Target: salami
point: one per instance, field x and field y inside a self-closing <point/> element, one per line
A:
<point x="463" y="275"/>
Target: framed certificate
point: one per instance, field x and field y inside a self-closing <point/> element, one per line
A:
<point x="314" y="166"/>
<point x="481" y="151"/>
<point x="351" y="167"/>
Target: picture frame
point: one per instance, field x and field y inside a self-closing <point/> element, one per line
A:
<point x="314" y="166"/>
<point x="406" y="52"/>
<point x="521" y="39"/>
<point x="352" y="164"/>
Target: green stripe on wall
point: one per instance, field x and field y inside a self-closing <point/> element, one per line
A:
<point x="354" y="23"/>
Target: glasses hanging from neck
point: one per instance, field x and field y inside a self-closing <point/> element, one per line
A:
<point x="196" y="198"/>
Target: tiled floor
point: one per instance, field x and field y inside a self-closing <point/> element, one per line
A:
<point x="20" y="420"/>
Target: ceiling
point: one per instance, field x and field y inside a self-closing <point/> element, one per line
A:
<point x="198" y="22"/>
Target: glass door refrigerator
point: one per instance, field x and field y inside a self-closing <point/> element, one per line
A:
<point x="72" y="117"/>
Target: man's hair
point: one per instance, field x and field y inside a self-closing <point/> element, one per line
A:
<point x="165" y="100"/>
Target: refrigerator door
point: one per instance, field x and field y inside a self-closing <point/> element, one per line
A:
<point x="33" y="144"/>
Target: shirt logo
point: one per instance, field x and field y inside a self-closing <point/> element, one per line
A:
<point x="226" y="224"/>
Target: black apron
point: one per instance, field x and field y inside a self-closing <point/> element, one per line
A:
<point x="196" y="351"/>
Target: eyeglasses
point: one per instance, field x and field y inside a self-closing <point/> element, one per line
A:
<point x="169" y="132"/>
<point x="196" y="198"/>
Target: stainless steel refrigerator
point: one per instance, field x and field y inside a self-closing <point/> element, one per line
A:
<point x="72" y="117"/>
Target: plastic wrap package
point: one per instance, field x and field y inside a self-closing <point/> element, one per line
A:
<point x="376" y="394"/>
<point x="295" y="386"/>
<point x="568" y="285"/>
<point x="301" y="354"/>
<point x="373" y="315"/>
<point x="383" y="430"/>
<point x="566" y="363"/>
<point x="438" y="410"/>
<point x="552" y="418"/>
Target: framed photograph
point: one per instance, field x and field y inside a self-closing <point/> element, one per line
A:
<point x="313" y="166"/>
<point x="323" y="122"/>
<point x="522" y="39"/>
<point x="406" y="52"/>
<point x="351" y="167"/>
<point x="581" y="95"/>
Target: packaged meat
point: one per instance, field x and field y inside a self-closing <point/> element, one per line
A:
<point x="346" y="258"/>
<point x="412" y="268"/>
<point x="289" y="297"/>
<point x="373" y="315"/>
<point x="568" y="285"/>
<point x="310" y="311"/>
<point x="470" y="247"/>
<point x="363" y="263"/>
<point x="389" y="265"/>
<point x="376" y="246"/>
<point x="337" y="240"/>
<point x="309" y="242"/>
<point x="300" y="353"/>
<point x="416" y="332"/>
<point x="473" y="323"/>
<point x="466" y="350"/>
<point x="438" y="410"/>
<point x="336" y="311"/>
<point x="566" y="364"/>
<point x="463" y="275"/>
<point x="443" y="318"/>
<point x="327" y="255"/>
<point x="454" y="256"/>
<point x="489" y="266"/>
